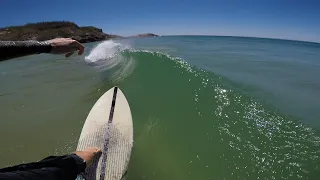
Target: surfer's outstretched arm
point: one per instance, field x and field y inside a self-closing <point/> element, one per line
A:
<point x="13" y="49"/>
<point x="66" y="167"/>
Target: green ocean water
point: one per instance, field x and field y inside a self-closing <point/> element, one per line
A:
<point x="203" y="107"/>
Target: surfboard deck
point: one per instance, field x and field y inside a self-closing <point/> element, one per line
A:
<point x="108" y="126"/>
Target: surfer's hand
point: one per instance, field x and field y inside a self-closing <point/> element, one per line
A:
<point x="88" y="155"/>
<point x="65" y="46"/>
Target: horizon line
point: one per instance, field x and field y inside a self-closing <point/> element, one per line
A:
<point x="258" y="37"/>
<point x="238" y="36"/>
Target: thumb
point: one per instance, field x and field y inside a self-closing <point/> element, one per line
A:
<point x="69" y="54"/>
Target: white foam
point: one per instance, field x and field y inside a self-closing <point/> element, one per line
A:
<point x="107" y="56"/>
<point x="105" y="50"/>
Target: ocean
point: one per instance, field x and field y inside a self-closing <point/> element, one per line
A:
<point x="203" y="107"/>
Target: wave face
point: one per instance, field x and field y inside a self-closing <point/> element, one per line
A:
<point x="189" y="124"/>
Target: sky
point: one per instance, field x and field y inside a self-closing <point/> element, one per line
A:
<point x="284" y="19"/>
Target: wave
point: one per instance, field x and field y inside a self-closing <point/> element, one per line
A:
<point x="252" y="135"/>
<point x="107" y="57"/>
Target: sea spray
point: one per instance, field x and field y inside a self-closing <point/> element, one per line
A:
<point x="107" y="57"/>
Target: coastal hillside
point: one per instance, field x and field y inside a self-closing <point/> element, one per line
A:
<point x="49" y="30"/>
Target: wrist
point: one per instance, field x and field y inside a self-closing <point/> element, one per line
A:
<point x="45" y="47"/>
<point x="82" y="164"/>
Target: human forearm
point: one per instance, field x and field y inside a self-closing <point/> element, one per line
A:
<point x="13" y="49"/>
<point x="52" y="168"/>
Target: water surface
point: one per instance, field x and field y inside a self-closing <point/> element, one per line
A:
<point x="203" y="107"/>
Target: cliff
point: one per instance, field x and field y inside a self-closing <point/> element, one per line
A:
<point x="49" y="30"/>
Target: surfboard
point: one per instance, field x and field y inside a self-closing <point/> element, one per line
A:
<point x="108" y="126"/>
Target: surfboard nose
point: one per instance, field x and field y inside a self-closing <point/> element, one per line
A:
<point x="109" y="126"/>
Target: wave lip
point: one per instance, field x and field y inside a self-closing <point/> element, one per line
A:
<point x="107" y="57"/>
<point x="105" y="51"/>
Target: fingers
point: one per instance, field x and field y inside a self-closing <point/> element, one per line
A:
<point x="97" y="150"/>
<point x="66" y="46"/>
<point x="76" y="46"/>
<point x="79" y="47"/>
<point x="69" y="54"/>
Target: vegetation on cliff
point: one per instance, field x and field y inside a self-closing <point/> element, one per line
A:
<point x="49" y="30"/>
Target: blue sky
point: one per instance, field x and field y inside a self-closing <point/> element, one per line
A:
<point x="286" y="19"/>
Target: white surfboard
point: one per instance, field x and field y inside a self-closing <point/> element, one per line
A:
<point x="109" y="127"/>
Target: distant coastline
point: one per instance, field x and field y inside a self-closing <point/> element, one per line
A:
<point x="49" y="30"/>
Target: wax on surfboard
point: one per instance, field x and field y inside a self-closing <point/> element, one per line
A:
<point x="109" y="127"/>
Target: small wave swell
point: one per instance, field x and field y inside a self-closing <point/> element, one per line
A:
<point x="254" y="141"/>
